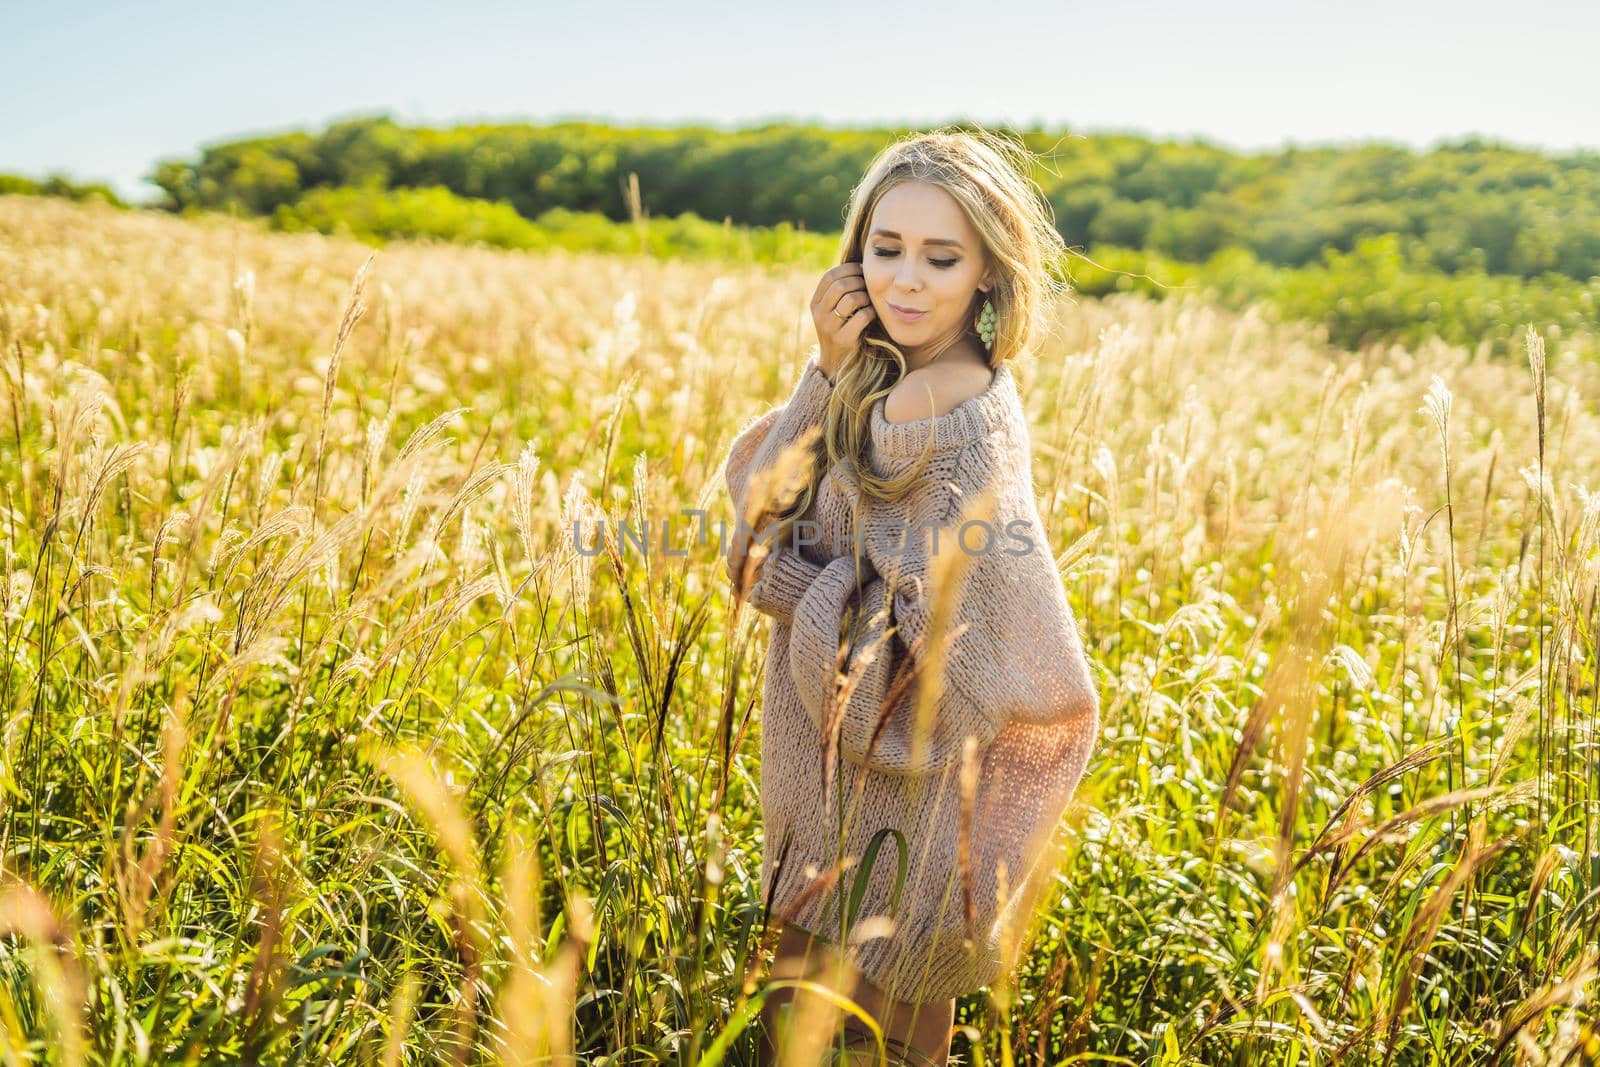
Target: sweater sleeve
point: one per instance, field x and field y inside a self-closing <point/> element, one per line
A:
<point x="1012" y="653"/>
<point x="785" y="573"/>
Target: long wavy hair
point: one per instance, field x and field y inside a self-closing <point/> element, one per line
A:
<point x="988" y="175"/>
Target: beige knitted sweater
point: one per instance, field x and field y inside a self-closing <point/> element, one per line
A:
<point x="1015" y="678"/>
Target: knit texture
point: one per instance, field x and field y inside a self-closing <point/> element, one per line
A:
<point x="1014" y="678"/>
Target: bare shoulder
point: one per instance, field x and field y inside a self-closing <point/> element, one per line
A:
<point x="935" y="390"/>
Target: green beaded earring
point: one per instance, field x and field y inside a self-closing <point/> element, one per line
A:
<point x="985" y="323"/>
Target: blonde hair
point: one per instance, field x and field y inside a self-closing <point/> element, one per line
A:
<point x="989" y="177"/>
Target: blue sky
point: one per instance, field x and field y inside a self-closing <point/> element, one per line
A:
<point x="101" y="91"/>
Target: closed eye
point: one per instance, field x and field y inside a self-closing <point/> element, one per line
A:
<point x="889" y="253"/>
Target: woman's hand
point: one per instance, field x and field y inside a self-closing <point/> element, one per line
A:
<point x="841" y="309"/>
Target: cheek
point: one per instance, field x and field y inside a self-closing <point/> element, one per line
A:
<point x="876" y="276"/>
<point x="956" y="287"/>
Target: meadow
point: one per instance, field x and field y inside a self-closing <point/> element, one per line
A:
<point x="324" y="742"/>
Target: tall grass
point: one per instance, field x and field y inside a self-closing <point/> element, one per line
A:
<point x="326" y="741"/>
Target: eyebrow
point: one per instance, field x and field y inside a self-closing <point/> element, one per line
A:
<point x="952" y="242"/>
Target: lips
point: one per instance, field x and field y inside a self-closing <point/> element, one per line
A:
<point x="906" y="313"/>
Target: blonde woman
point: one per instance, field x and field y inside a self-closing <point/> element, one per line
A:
<point x="927" y="706"/>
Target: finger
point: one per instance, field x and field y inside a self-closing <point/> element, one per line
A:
<point x="839" y="314"/>
<point x="851" y="302"/>
<point x="829" y="276"/>
<point x="832" y="276"/>
<point x="842" y="286"/>
<point x="831" y="296"/>
<point x="850" y="330"/>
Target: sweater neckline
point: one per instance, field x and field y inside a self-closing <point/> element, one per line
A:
<point x="973" y="418"/>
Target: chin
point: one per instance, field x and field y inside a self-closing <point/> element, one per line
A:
<point x="900" y="329"/>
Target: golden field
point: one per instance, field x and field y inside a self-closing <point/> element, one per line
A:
<point x="323" y="743"/>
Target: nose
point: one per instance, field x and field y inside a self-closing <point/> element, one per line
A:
<point x="906" y="276"/>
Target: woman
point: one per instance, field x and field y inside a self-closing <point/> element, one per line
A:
<point x="928" y="708"/>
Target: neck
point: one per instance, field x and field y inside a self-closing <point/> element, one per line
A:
<point x="956" y="349"/>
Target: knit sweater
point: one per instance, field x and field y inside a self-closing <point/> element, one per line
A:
<point x="1014" y="677"/>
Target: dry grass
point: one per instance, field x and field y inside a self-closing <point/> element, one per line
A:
<point x="324" y="742"/>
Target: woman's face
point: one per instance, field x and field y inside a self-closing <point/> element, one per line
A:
<point x="922" y="255"/>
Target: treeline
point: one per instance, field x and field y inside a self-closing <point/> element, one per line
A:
<point x="1303" y="230"/>
<point x="1366" y="294"/>
<point x="59" y="185"/>
<point x="377" y="215"/>
<point x="1468" y="206"/>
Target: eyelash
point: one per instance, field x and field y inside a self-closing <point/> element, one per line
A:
<point x="942" y="264"/>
